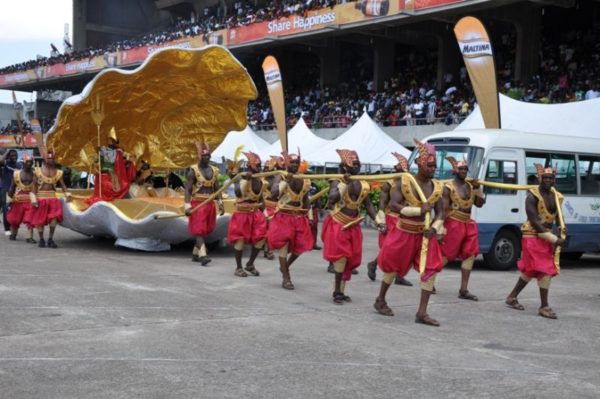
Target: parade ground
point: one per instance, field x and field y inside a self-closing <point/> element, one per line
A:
<point x="90" y="320"/>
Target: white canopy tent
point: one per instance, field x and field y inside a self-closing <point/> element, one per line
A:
<point x="371" y="143"/>
<point x="300" y="136"/>
<point x="574" y="119"/>
<point x="233" y="140"/>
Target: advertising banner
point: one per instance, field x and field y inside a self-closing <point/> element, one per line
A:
<point x="17" y="141"/>
<point x="411" y="5"/>
<point x="475" y="46"/>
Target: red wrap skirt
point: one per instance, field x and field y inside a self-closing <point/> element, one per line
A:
<point x="339" y="243"/>
<point x="461" y="240"/>
<point x="290" y="229"/>
<point x="402" y="249"/>
<point x="537" y="258"/>
<point x="250" y="226"/>
<point x="203" y="221"/>
<point x="48" y="208"/>
<point x="20" y="211"/>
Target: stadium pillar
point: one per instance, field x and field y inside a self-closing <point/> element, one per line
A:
<point x="449" y="59"/>
<point x="527" y="23"/>
<point x="330" y="64"/>
<point x="79" y="22"/>
<point x="383" y="61"/>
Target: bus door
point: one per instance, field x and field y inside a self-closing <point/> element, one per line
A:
<point x="504" y="211"/>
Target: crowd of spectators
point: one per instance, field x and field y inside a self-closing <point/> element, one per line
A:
<point x="569" y="70"/>
<point x="211" y="19"/>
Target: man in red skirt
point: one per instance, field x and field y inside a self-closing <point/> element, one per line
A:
<point x="389" y="217"/>
<point x="289" y="230"/>
<point x="202" y="181"/>
<point x="461" y="240"/>
<point x="248" y="224"/>
<point x="342" y="236"/>
<point x="539" y="242"/>
<point x="275" y="163"/>
<point x="402" y="247"/>
<point x="18" y="197"/>
<point x="47" y="208"/>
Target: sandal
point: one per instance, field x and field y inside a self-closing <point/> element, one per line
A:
<point x="287" y="284"/>
<point x="41" y="243"/>
<point x="52" y="244"/>
<point x="433" y="291"/>
<point x="467" y="295"/>
<point x="240" y="273"/>
<point x="514" y="303"/>
<point x="381" y="307"/>
<point x="338" y="298"/>
<point x="252" y="270"/>
<point x="12" y="237"/>
<point x="346" y="298"/>
<point x="269" y="255"/>
<point x="30" y="241"/>
<point x="425" y="319"/>
<point x="547" y="312"/>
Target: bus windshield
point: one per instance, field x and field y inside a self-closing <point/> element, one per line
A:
<point x="474" y="155"/>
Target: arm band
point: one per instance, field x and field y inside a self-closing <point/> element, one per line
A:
<point x="380" y="217"/>
<point x="438" y="226"/>
<point x="548" y="236"/>
<point x="187" y="206"/>
<point x="282" y="185"/>
<point x="411" y="211"/>
<point x="33" y="198"/>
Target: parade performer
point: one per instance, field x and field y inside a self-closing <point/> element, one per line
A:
<point x="461" y="240"/>
<point x="117" y="172"/>
<point x="539" y="242"/>
<point x="342" y="235"/>
<point x="275" y="163"/>
<point x="315" y="207"/>
<point x="248" y="224"/>
<point x="18" y="197"/>
<point x="46" y="207"/>
<point x="289" y="230"/>
<point x="389" y="217"/>
<point x="402" y="247"/>
<point x="202" y="181"/>
<point x="8" y="165"/>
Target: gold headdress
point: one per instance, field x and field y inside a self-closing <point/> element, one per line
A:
<point x="402" y="162"/>
<point x="348" y="157"/>
<point x="426" y="153"/>
<point x="457" y="164"/>
<point x="541" y="171"/>
<point x="112" y="134"/>
<point x="253" y="159"/>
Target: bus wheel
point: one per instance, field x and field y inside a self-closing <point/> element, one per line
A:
<point x="504" y="251"/>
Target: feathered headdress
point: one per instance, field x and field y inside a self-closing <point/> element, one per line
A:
<point x="402" y="162"/>
<point x="233" y="167"/>
<point x="347" y="157"/>
<point x="457" y="164"/>
<point x="426" y="153"/>
<point x="303" y="167"/>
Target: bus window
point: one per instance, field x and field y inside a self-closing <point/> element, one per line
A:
<point x="566" y="175"/>
<point x="501" y="172"/>
<point x="589" y="172"/>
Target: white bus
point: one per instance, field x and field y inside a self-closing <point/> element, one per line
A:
<point x="508" y="157"/>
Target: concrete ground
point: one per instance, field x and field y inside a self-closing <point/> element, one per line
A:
<point x="90" y="320"/>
